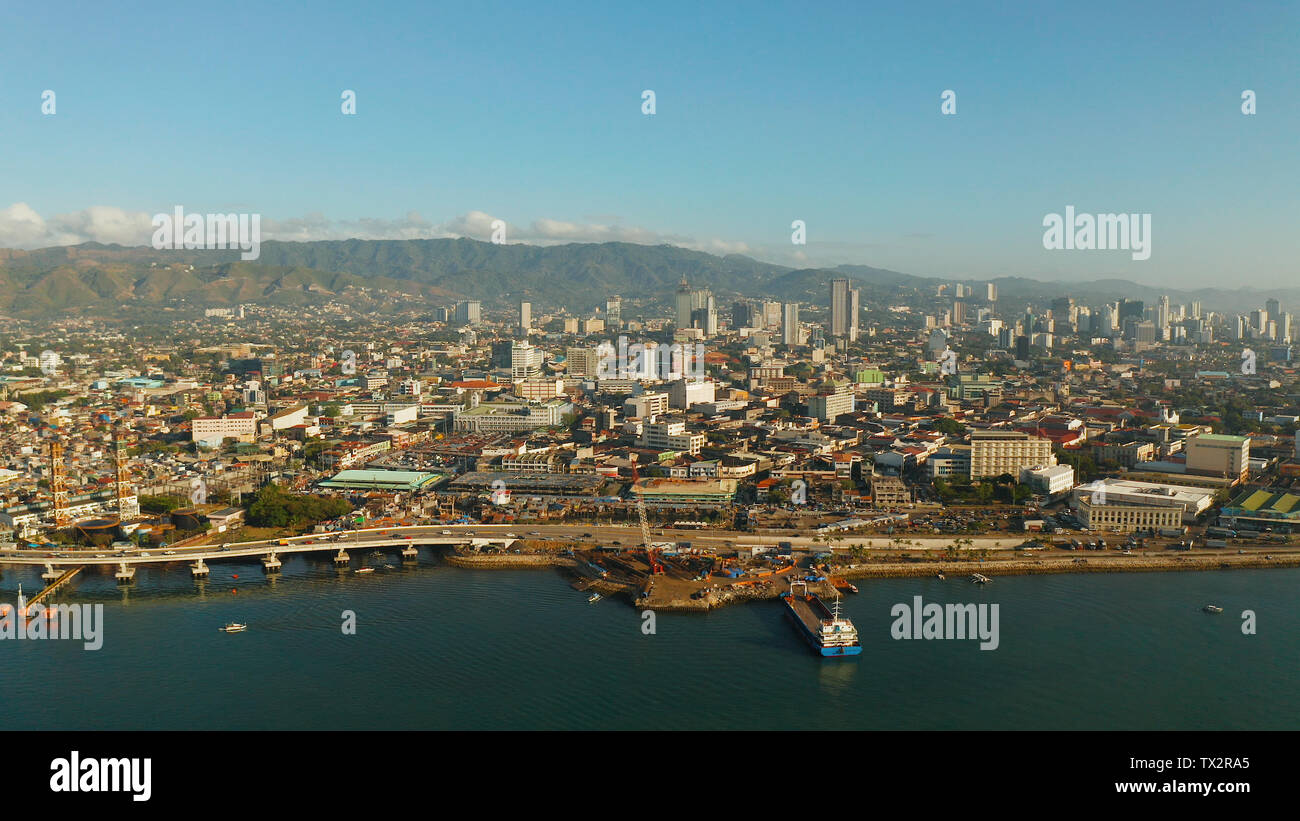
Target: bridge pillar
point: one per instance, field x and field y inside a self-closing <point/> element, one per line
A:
<point x="342" y="557"/>
<point x="49" y="575"/>
<point x="199" y="569"/>
<point x="410" y="553"/>
<point x="271" y="564"/>
<point x="125" y="572"/>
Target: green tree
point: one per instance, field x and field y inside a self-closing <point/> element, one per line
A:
<point x="949" y="426"/>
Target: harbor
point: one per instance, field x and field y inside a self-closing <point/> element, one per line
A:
<point x="441" y="647"/>
<point x="705" y="574"/>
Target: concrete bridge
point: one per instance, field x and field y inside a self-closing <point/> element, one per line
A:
<point x="269" y="550"/>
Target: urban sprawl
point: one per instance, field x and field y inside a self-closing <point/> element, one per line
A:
<point x="843" y="436"/>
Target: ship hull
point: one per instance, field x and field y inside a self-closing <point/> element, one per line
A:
<point x="814" y="642"/>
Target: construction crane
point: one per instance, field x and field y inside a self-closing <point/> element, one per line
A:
<point x="655" y="566"/>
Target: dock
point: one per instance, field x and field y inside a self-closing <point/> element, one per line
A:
<point x="63" y="579"/>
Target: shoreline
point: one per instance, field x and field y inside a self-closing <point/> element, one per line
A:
<point x="726" y="595"/>
<point x="1031" y="567"/>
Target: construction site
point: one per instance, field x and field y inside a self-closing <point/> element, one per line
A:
<point x="675" y="576"/>
<point x="92" y="518"/>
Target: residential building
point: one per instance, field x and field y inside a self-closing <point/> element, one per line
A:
<point x="994" y="453"/>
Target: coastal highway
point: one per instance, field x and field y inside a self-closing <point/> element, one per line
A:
<point x="506" y="534"/>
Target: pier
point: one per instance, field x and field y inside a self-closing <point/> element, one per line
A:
<point x="55" y="584"/>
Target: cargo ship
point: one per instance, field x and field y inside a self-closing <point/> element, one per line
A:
<point x="829" y="633"/>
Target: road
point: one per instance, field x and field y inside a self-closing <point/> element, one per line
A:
<point x="616" y="535"/>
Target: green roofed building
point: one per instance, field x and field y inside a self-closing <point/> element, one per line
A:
<point x="685" y="493"/>
<point x="392" y="481"/>
<point x="1273" y="508"/>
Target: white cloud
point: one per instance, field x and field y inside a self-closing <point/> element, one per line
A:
<point x="22" y="227"/>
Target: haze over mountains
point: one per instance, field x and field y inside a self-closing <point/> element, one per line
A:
<point x="94" y="279"/>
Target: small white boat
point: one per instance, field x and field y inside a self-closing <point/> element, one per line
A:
<point x="595" y="597"/>
<point x="233" y="627"/>
<point x="364" y="570"/>
<point x="1210" y="608"/>
<point x="979" y="578"/>
<point x="940" y="576"/>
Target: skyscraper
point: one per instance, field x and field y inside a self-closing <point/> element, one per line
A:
<point x="771" y="314"/>
<point x="854" y="313"/>
<point x="706" y="316"/>
<point x="688" y="302"/>
<point x="844" y="313"/>
<point x="790" y="324"/>
<point x="742" y="314"/>
<point x="525" y="318"/>
<point x="683" y="304"/>
<point x="1131" y="308"/>
<point x="958" y="312"/>
<point x="525" y="360"/>
<point x="468" y="311"/>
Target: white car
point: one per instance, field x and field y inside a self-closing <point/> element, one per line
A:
<point x="169" y="552"/>
<point x="144" y="553"/>
<point x="446" y="532"/>
<point x="511" y="536"/>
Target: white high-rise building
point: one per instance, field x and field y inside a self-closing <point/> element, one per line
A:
<point x="790" y="324"/>
<point x="525" y="361"/>
<point x="771" y="314"/>
<point x="688" y="302"/>
<point x="525" y="318"/>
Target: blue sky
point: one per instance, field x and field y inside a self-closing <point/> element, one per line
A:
<point x="766" y="113"/>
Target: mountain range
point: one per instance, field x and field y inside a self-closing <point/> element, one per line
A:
<point x="97" y="279"/>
